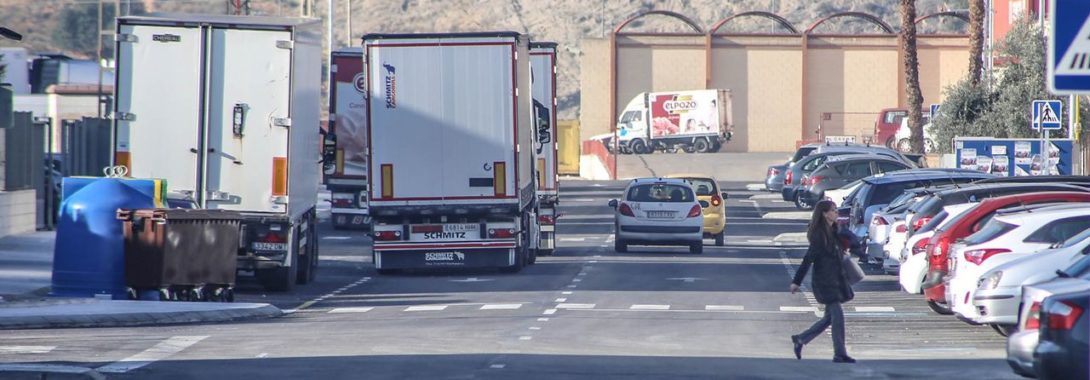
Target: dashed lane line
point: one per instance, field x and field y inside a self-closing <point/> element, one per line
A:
<point x="160" y="351"/>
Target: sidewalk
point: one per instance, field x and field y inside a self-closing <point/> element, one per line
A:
<point x="26" y="269"/>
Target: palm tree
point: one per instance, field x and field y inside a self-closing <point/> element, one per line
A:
<point x="912" y="74"/>
<point x="976" y="40"/>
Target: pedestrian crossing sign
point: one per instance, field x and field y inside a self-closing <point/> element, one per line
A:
<point x="1069" y="47"/>
<point x="1046" y="114"/>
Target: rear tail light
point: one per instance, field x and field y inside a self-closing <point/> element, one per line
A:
<point x="694" y="212"/>
<point x="812" y="180"/>
<point x="387" y="235"/>
<point x="879" y="221"/>
<point x="788" y="177"/>
<point x="772" y="172"/>
<point x="547" y="220"/>
<point x="716" y="200"/>
<point x="272" y="237"/>
<point x="625" y="210"/>
<point x="920" y="247"/>
<point x="1063" y="315"/>
<point x="920" y="222"/>
<point x="1033" y="319"/>
<point x="902" y="228"/>
<point x="978" y="256"/>
<point x="501" y="233"/>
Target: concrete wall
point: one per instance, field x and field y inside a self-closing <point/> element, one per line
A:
<point x="18" y="214"/>
<point x="847" y="80"/>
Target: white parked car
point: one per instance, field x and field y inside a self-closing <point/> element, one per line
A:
<point x="659" y="211"/>
<point x="1000" y="290"/>
<point x="838" y="195"/>
<point x="1008" y="236"/>
<point x="913" y="260"/>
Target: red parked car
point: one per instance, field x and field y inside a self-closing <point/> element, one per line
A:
<point x="938" y="247"/>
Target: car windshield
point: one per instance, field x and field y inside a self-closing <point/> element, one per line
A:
<point x="1075" y="240"/>
<point x="802" y="152"/>
<point x="905" y="199"/>
<point x="703" y="186"/>
<point x="660" y="192"/>
<point x="956" y="219"/>
<point x="992" y="230"/>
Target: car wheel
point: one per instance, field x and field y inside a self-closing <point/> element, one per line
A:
<point x="696" y="248"/>
<point x="721" y="238"/>
<point x="904" y="145"/>
<point x="1004" y="330"/>
<point x="801" y="202"/>
<point x="620" y="245"/>
<point x="939" y="308"/>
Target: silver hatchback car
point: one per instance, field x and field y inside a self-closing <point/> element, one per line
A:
<point x="659" y="211"/>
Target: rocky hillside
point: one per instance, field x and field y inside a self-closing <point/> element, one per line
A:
<point x="564" y="21"/>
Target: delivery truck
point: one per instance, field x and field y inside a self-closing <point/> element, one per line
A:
<point x="450" y="119"/>
<point x="694" y="121"/>
<point x="543" y="65"/>
<point x="347" y="177"/>
<point x="226" y="110"/>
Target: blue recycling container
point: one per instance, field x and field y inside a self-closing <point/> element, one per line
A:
<point x="89" y="255"/>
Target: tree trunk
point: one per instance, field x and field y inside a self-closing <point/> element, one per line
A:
<point x="912" y="74"/>
<point x="976" y="40"/>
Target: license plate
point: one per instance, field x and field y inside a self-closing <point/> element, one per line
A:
<point x="660" y="214"/>
<point x="262" y="246"/>
<point x="452" y="232"/>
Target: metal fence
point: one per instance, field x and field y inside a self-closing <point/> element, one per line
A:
<point x="24" y="152"/>
<point x="85" y="146"/>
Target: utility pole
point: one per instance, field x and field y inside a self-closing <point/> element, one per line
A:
<point x="348" y="21"/>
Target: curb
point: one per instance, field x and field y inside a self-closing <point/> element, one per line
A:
<point x="147" y="318"/>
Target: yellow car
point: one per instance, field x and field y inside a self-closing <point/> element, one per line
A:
<point x="713" y="203"/>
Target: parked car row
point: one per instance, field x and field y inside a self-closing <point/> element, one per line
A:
<point x="1009" y="252"/>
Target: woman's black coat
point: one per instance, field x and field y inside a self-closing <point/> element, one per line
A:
<point x="828" y="283"/>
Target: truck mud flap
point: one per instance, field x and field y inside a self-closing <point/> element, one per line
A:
<point x="445" y="258"/>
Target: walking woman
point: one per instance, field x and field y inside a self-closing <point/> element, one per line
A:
<point x="830" y="287"/>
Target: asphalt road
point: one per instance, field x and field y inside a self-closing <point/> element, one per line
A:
<point x="584" y="313"/>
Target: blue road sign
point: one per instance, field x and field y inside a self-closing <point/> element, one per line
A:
<point x="1069" y="47"/>
<point x="935" y="110"/>
<point x="1046" y="114"/>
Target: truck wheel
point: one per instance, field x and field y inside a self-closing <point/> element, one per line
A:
<point x="701" y="146"/>
<point x="303" y="273"/>
<point x="280" y="279"/>
<point x="640" y="147"/>
<point x="309" y="266"/>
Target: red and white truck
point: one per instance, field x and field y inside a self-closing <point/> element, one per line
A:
<point x="450" y="119"/>
<point x="347" y="181"/>
<point x="695" y="121"/>
<point x="543" y="65"/>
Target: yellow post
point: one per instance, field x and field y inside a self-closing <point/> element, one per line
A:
<point x="568" y="146"/>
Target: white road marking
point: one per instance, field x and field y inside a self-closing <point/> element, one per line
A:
<point x="26" y="349"/>
<point x="426" y="308"/>
<point x="497" y="366"/>
<point x="502" y="306"/>
<point x="572" y="286"/>
<point x="566" y="293"/>
<point x="336" y="237"/>
<point x="594" y="261"/>
<point x="473" y="279"/>
<point x="649" y="307"/>
<point x="874" y="309"/>
<point x="525" y="337"/>
<point x="535" y="328"/>
<point x="560" y="300"/>
<point x="549" y="311"/>
<point x="755" y="187"/>
<point x="686" y="279"/>
<point x="262" y="355"/>
<point x="573" y="239"/>
<point x="575" y="306"/>
<point x="160" y="351"/>
<point x="798" y="308"/>
<point x="577" y="280"/>
<point x="350" y="310"/>
<point x="582" y="274"/>
<point x="724" y="307"/>
<point x="543" y="319"/>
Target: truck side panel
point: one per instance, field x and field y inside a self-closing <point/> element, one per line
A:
<point x="156" y="97"/>
<point x="306" y="113"/>
<point x="684" y="113"/>
<point x="250" y="79"/>
<point x="544" y="63"/>
<point x="349" y="110"/>
<point x="443" y="124"/>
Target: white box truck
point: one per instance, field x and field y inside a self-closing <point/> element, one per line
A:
<point x="451" y="125"/>
<point x="347" y="179"/>
<point x="694" y="121"/>
<point x="543" y="64"/>
<point x="226" y="109"/>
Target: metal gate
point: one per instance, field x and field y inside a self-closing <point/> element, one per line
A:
<point x="24" y="145"/>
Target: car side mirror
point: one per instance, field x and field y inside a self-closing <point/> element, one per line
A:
<point x="704" y="204"/>
<point x="613" y="203"/>
<point x="724" y="195"/>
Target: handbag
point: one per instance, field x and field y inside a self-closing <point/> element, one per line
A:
<point x="853" y="274"/>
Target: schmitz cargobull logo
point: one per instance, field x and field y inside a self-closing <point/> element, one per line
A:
<point x="391" y="85"/>
<point x="445" y="256"/>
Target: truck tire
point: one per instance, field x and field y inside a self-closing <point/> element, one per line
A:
<point x="640" y="147"/>
<point x="309" y="264"/>
<point x="520" y="261"/>
<point x="280" y="279"/>
<point x="716" y="146"/>
<point x="701" y="145"/>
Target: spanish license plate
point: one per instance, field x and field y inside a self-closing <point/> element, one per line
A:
<point x="660" y="214"/>
<point x="263" y="246"/>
